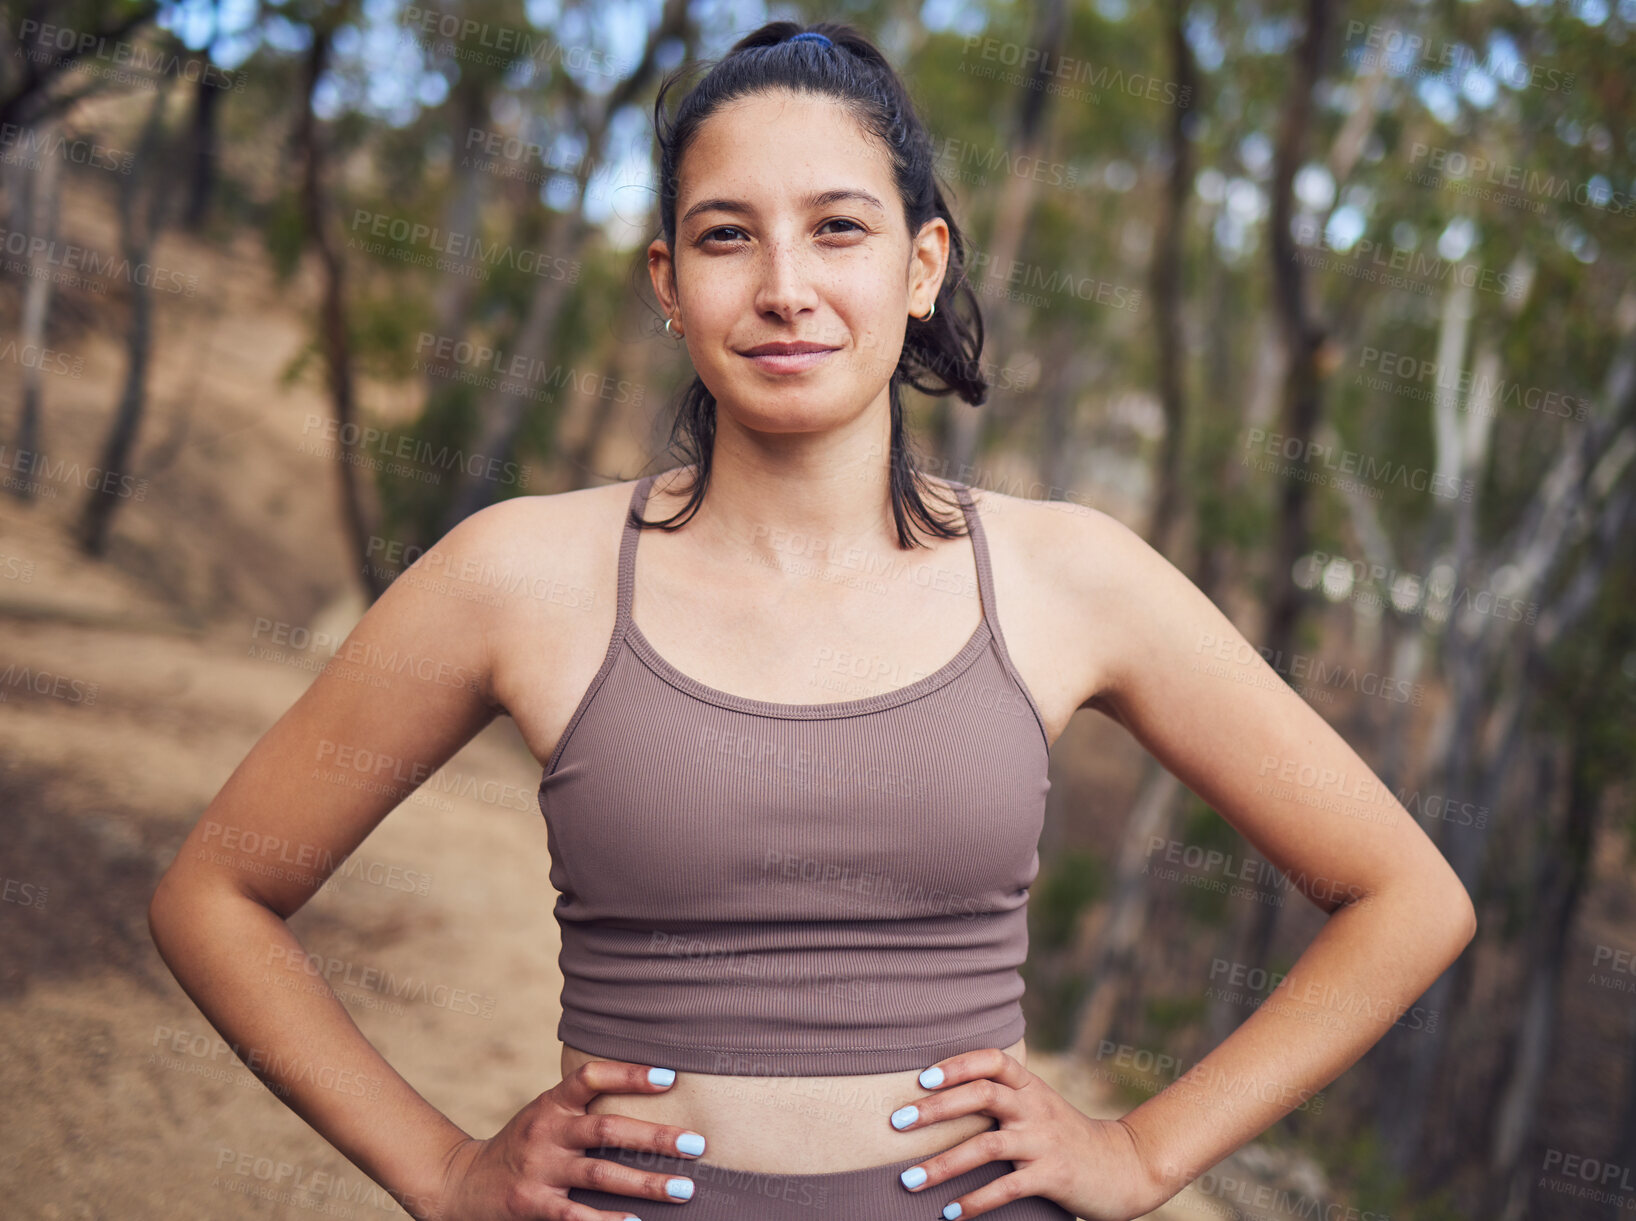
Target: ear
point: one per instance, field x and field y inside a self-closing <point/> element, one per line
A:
<point x="662" y="272"/>
<point x="928" y="260"/>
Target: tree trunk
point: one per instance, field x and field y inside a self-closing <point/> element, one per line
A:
<point x="1113" y="973"/>
<point x="203" y="152"/>
<point x="502" y="411"/>
<point x="38" y="208"/>
<point x="1168" y="259"/>
<point x="1562" y="874"/>
<point x="959" y="421"/>
<point x="137" y="233"/>
<point x="333" y="326"/>
<point x="1301" y="336"/>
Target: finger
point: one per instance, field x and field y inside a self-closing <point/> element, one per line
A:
<point x="980" y="1097"/>
<point x="612" y="1077"/>
<point x="573" y="1210"/>
<point x="991" y="1146"/>
<point x="991" y="1195"/>
<point x="969" y="1065"/>
<point x="624" y="1132"/>
<point x="615" y="1178"/>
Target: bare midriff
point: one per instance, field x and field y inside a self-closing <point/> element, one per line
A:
<point x="795" y="1125"/>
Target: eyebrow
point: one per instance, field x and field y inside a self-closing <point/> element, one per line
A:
<point x="819" y="199"/>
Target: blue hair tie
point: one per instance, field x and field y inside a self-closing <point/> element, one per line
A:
<point x="809" y="36"/>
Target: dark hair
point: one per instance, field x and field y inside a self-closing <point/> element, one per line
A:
<point x="940" y="355"/>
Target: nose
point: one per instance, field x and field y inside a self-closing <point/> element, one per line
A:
<point x="785" y="289"/>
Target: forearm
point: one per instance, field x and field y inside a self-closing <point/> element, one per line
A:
<point x="1362" y="972"/>
<point x="224" y="949"/>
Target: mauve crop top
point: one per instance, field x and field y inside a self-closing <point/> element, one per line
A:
<point x="756" y="888"/>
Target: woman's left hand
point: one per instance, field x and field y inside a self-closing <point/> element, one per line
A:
<point x="1089" y="1166"/>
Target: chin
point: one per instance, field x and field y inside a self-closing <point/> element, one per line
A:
<point x="787" y="412"/>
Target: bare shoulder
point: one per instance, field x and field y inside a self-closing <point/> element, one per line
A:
<point x="1066" y="576"/>
<point x="546" y="530"/>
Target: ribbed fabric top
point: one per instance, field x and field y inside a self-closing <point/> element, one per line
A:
<point x="757" y="888"/>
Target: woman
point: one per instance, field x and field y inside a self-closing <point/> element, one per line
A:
<point x="812" y="908"/>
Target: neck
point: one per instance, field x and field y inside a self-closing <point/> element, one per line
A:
<point x="806" y="494"/>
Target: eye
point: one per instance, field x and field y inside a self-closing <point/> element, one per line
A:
<point x="841" y="220"/>
<point x="708" y="236"/>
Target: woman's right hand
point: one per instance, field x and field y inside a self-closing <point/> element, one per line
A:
<point x="523" y="1172"/>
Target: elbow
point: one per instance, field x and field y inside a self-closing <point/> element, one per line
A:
<point x="1461" y="921"/>
<point x="158" y="909"/>
<point x="1466" y="919"/>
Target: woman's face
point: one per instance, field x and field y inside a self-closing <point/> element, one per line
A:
<point x="790" y="233"/>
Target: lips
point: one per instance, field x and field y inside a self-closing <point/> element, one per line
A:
<point x="791" y="356"/>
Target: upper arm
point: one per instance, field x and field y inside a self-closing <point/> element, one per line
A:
<point x="1206" y="704"/>
<point x="411" y="684"/>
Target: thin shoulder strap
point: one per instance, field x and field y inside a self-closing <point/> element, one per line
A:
<point x="627" y="553"/>
<point x="979" y="546"/>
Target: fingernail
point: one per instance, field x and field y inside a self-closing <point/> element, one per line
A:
<point x="913" y="1177"/>
<point x="690" y="1142"/>
<point x="904" y="1116"/>
<point x="662" y="1076"/>
<point x="931" y="1078"/>
<point x="951" y="1210"/>
<point x="680" y="1189"/>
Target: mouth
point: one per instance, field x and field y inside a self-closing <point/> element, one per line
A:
<point x="788" y="357"/>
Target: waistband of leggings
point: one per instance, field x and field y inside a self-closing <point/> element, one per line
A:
<point x="856" y="1189"/>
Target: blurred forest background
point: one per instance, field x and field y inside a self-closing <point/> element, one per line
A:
<point x="1333" y="303"/>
